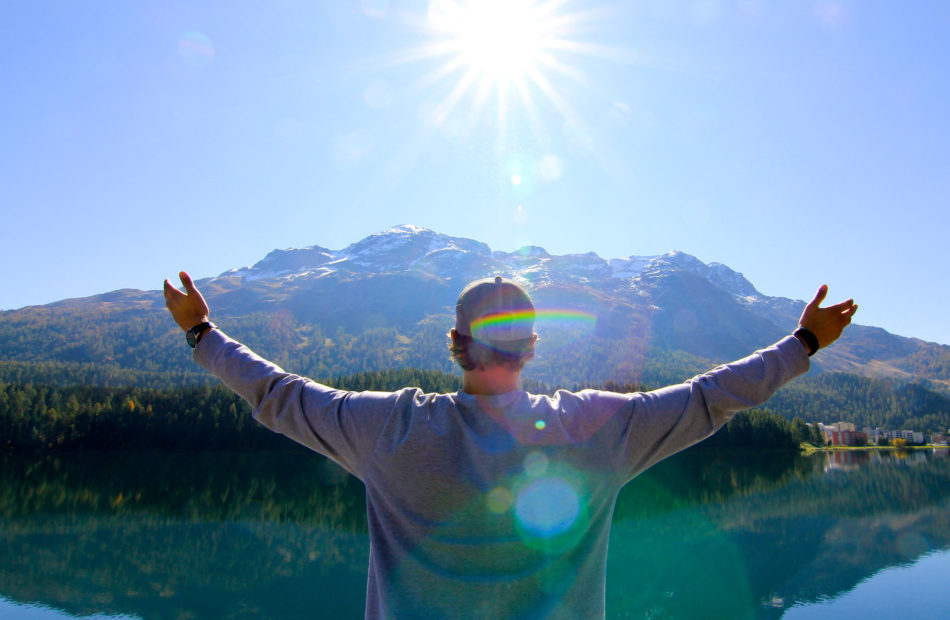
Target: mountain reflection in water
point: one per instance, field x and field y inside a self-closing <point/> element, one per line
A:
<point x="226" y="535"/>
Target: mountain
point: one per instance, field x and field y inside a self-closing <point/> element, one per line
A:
<point x="388" y="300"/>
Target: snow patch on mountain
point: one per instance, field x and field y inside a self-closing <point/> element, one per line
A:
<point x="407" y="248"/>
<point x="630" y="267"/>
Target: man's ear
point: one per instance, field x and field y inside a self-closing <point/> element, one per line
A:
<point x="529" y="354"/>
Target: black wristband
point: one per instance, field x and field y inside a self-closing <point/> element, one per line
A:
<point x="810" y="339"/>
<point x="193" y="335"/>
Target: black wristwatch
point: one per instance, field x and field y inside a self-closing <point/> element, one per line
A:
<point x="193" y="335"/>
<point x="806" y="336"/>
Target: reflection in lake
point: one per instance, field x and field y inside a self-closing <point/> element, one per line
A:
<point x="704" y="534"/>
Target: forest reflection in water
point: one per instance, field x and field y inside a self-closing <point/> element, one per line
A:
<point x="283" y="534"/>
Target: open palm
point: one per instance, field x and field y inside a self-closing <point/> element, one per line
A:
<point x="188" y="308"/>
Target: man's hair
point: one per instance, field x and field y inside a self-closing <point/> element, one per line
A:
<point x="471" y="354"/>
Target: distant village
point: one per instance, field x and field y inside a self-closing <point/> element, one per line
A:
<point x="845" y="434"/>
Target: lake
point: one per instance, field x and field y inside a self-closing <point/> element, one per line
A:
<point x="706" y="534"/>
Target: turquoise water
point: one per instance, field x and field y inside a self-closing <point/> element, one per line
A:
<point x="917" y="590"/>
<point x="283" y="535"/>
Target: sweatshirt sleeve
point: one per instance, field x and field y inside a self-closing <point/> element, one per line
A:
<point x="339" y="424"/>
<point x="665" y="421"/>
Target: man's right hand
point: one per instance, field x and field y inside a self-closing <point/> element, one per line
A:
<point x="188" y="308"/>
<point x="827" y="323"/>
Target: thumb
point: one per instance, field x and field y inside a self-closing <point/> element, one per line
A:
<point x="814" y="303"/>
<point x="170" y="291"/>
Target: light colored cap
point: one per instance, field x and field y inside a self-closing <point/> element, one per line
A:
<point x="494" y="310"/>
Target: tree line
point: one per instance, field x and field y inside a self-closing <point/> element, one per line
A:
<point x="211" y="417"/>
<point x="145" y="349"/>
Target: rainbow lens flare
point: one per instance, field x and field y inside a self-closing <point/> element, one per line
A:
<point x="499" y="326"/>
<point x="568" y="316"/>
<point x="484" y="328"/>
<point x="196" y="49"/>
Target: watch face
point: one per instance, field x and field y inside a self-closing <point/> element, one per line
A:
<point x="191" y="339"/>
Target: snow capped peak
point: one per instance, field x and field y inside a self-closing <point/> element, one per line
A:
<point x="404" y="229"/>
<point x="408" y="248"/>
<point x="629" y="267"/>
<point x="682" y="260"/>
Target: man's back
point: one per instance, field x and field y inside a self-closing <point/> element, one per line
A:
<point x="497" y="505"/>
<point x="491" y="502"/>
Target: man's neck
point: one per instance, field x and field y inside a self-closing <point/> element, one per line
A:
<point x="490" y="380"/>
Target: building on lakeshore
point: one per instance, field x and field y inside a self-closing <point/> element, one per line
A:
<point x="874" y="435"/>
<point x="910" y="436"/>
<point x="844" y="434"/>
<point x="842" y="426"/>
<point x="847" y="438"/>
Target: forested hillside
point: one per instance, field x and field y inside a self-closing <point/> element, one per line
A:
<point x="48" y="417"/>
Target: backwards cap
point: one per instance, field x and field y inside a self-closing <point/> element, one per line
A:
<point x="494" y="310"/>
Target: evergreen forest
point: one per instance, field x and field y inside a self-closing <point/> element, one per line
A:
<point x="210" y="417"/>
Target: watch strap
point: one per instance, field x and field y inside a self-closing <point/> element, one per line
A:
<point x="193" y="335"/>
<point x="810" y="339"/>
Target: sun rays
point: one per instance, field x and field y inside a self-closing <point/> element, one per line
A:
<point x="510" y="55"/>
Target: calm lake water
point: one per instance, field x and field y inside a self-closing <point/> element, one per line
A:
<point x="283" y="535"/>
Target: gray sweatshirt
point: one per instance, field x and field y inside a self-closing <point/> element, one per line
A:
<point x="494" y="506"/>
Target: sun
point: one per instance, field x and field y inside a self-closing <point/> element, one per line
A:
<point x="500" y="40"/>
<point x="513" y="65"/>
<point x="515" y="51"/>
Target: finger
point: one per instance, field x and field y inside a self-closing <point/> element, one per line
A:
<point x="819" y="296"/>
<point x="187" y="282"/>
<point x="845" y="316"/>
<point x="841" y="307"/>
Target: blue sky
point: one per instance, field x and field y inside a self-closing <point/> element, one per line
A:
<point x="798" y="142"/>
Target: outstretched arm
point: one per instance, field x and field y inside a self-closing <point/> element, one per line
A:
<point x="340" y="425"/>
<point x="188" y="308"/>
<point x="826" y="323"/>
<point x="667" y="420"/>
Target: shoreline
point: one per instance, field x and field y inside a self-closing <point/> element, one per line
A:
<point x="810" y="448"/>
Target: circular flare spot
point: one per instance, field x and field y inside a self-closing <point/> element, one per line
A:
<point x="540" y="425"/>
<point x="547" y="507"/>
<point x="499" y="500"/>
<point x="535" y="464"/>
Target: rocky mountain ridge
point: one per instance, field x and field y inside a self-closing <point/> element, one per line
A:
<point x="601" y="318"/>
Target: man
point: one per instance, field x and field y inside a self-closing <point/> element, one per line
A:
<point x="492" y="502"/>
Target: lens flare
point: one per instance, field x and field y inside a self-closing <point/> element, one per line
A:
<point x="501" y="322"/>
<point x="521" y="216"/>
<point x="196" y="49"/>
<point x="566" y="315"/>
<point x="548" y="316"/>
<point x="499" y="500"/>
<point x="550" y="168"/>
<point x="536" y="464"/>
<point x="547" y="507"/>
<point x="549" y="504"/>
